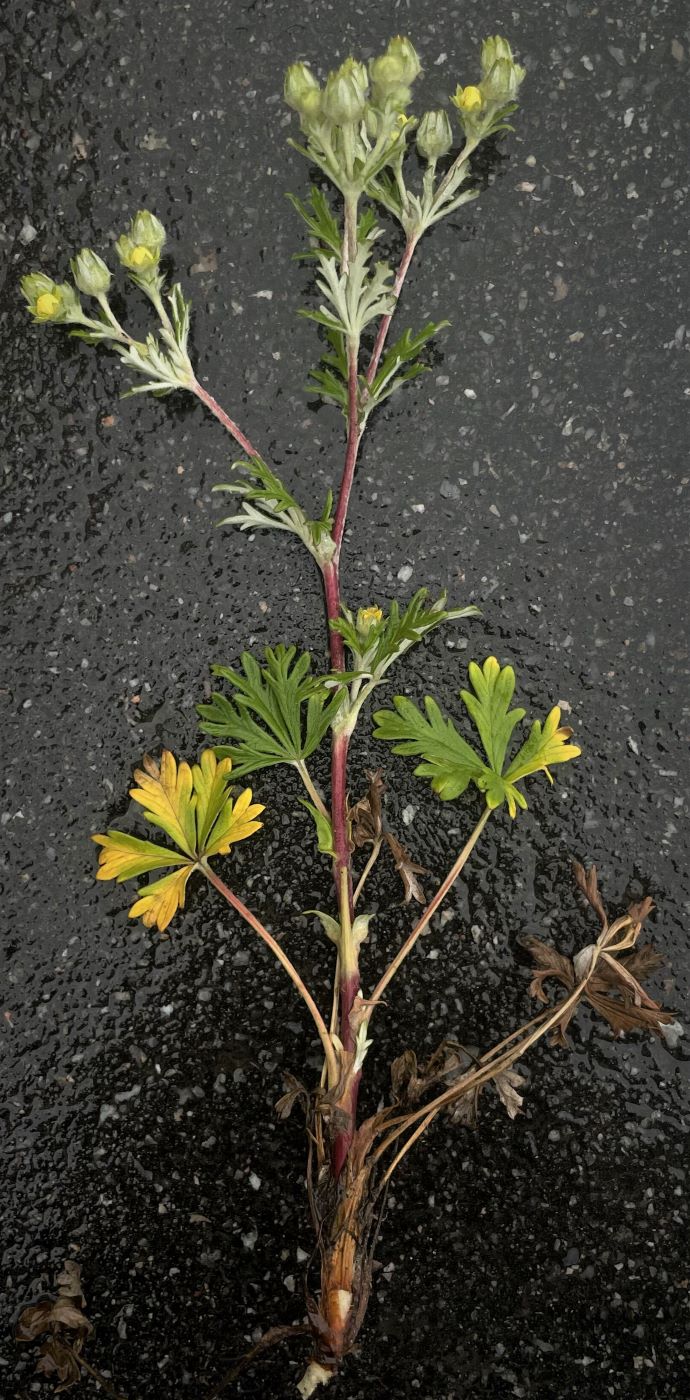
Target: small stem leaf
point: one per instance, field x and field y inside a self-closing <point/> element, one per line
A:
<point x="391" y="373"/>
<point x="321" y="223"/>
<point x="324" y="830"/>
<point x="452" y="764"/>
<point x="278" y="713"/>
<point x="330" y="926"/>
<point x="268" y="505"/>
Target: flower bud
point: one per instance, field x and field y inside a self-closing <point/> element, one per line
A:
<point x="406" y="55"/>
<point x="368" y="618"/>
<point x="136" y="257"/>
<point x="90" y="273"/>
<point x="48" y="300"/>
<point x="147" y="230"/>
<point x="343" y="99"/>
<point x="434" y="135"/>
<point x="467" y="99"/>
<point x="352" y="68"/>
<point x="301" y="90"/>
<point x="502" y="82"/>
<point x="493" y="49"/>
<point x="386" y="72"/>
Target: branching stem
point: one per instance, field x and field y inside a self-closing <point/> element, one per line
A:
<point x="285" y="962"/>
<point x="430" y="910"/>
<point x="224" y="418"/>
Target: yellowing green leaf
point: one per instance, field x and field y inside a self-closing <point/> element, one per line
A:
<point x="236" y="822"/>
<point x="194" y="807"/>
<point x="452" y="764"/>
<point x="165" y="793"/>
<point x="159" y="901"/>
<point x="547" y="744"/>
<point x="123" y="857"/>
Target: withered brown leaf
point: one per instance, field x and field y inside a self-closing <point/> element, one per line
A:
<point x="295" y="1092"/>
<point x="506" y="1083"/>
<point x="365" y="818"/>
<point x="587" y="881"/>
<point x="407" y="869"/>
<point x="614" y="990"/>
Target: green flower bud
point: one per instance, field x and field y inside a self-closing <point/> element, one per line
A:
<point x="386" y="72"/>
<point x="367" y="619"/>
<point x="147" y="230"/>
<point x="343" y="99"/>
<point x="434" y="135"/>
<point x="48" y="300"/>
<point x="493" y="49"/>
<point x="502" y="82"/>
<point x="352" y="68"/>
<point x="406" y="55"/>
<point x="301" y="90"/>
<point x="90" y="273"/>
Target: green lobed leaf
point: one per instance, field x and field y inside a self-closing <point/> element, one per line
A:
<point x="278" y="713"/>
<point x="452" y="764"/>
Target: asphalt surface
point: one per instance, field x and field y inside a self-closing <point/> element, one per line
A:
<point x="539" y="471"/>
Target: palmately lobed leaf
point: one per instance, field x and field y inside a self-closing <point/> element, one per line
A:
<point x="452" y="764"/>
<point x="278" y="713"/>
<point x="193" y="805"/>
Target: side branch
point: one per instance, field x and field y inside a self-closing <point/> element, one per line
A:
<point x="203" y="395"/>
<point x="430" y="910"/>
<point x="285" y="962"/>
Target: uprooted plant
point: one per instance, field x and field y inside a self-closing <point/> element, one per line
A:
<point x="359" y="133"/>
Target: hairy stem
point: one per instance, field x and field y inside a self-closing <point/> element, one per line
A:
<point x="283" y="959"/>
<point x="224" y="418"/>
<point x="386" y="320"/>
<point x="430" y="910"/>
<point x="354" y="437"/>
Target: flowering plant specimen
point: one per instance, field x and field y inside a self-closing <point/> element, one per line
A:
<point x="359" y="131"/>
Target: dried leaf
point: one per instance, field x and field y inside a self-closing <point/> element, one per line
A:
<point x="295" y="1091"/>
<point x="506" y="1085"/>
<point x="365" y="817"/>
<point x="68" y="1328"/>
<point x="407" y="869"/>
<point x="586" y="880"/>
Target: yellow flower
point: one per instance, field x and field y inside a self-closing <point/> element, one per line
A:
<point x="468" y="99"/>
<point x="142" y="257"/>
<point x="47" y="305"/>
<point x="366" y="616"/>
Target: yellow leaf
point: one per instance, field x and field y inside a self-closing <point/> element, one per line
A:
<point x="160" y="901"/>
<point x="210" y="779"/>
<point x="235" y="823"/>
<point x="165" y="793"/>
<point x="123" y="857"/>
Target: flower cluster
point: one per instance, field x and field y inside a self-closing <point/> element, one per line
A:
<point x="498" y="87"/>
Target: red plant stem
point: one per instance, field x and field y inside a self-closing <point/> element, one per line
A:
<point x="386" y="320"/>
<point x="331" y="588"/>
<point x="224" y="418"/>
<point x="354" y="436"/>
